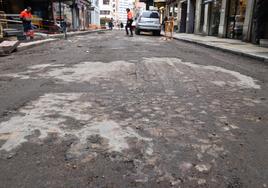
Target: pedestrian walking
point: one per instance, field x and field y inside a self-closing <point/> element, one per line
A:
<point x="111" y="24"/>
<point x="26" y="18"/>
<point x="129" y="22"/>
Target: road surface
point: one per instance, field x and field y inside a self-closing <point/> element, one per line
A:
<point x="109" y="111"/>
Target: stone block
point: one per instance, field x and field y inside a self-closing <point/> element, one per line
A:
<point x="7" y="47"/>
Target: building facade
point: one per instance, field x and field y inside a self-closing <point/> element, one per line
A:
<point x="115" y="6"/>
<point x="95" y="12"/>
<point x="77" y="13"/>
<point x="236" y="19"/>
<point x="106" y="9"/>
<point x="138" y="8"/>
<point x="122" y="6"/>
<point x="115" y="9"/>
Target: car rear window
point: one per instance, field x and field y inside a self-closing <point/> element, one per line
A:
<point x="150" y="15"/>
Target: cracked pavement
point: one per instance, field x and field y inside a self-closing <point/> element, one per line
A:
<point x="104" y="110"/>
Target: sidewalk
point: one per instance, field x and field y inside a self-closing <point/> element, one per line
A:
<point x="74" y="33"/>
<point x="27" y="45"/>
<point x="44" y="38"/>
<point x="53" y="37"/>
<point x="228" y="45"/>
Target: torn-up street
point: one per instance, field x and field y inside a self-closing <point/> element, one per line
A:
<point x="107" y="111"/>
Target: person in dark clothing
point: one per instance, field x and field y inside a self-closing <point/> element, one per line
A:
<point x="164" y="23"/>
<point x="129" y="22"/>
<point x="111" y="24"/>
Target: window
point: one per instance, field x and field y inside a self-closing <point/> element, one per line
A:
<point x="215" y="17"/>
<point x="150" y="15"/>
<point x="106" y="2"/>
<point x="105" y="12"/>
<point x="97" y="2"/>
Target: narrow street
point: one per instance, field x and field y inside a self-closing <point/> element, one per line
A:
<point x="108" y="111"/>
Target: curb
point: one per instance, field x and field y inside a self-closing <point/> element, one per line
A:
<point x="52" y="38"/>
<point x="76" y="33"/>
<point x="25" y="46"/>
<point x="252" y="56"/>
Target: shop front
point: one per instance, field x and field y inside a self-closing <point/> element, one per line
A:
<point x="84" y="13"/>
<point x="172" y="10"/>
<point x="183" y="16"/>
<point x="62" y="12"/>
<point x="215" y="15"/>
<point x="41" y="11"/>
<point x="40" y="8"/>
<point x="236" y="17"/>
<point x="245" y="20"/>
<point x="210" y="17"/>
<point x="260" y="30"/>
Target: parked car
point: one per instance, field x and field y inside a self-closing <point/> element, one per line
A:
<point x="148" y="21"/>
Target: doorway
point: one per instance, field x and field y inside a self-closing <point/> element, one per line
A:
<point x="183" y="17"/>
<point x="236" y="18"/>
<point x="191" y="24"/>
<point x="215" y="16"/>
<point x="202" y="18"/>
<point x="261" y="20"/>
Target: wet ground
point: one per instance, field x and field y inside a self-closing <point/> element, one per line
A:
<point x="105" y="110"/>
